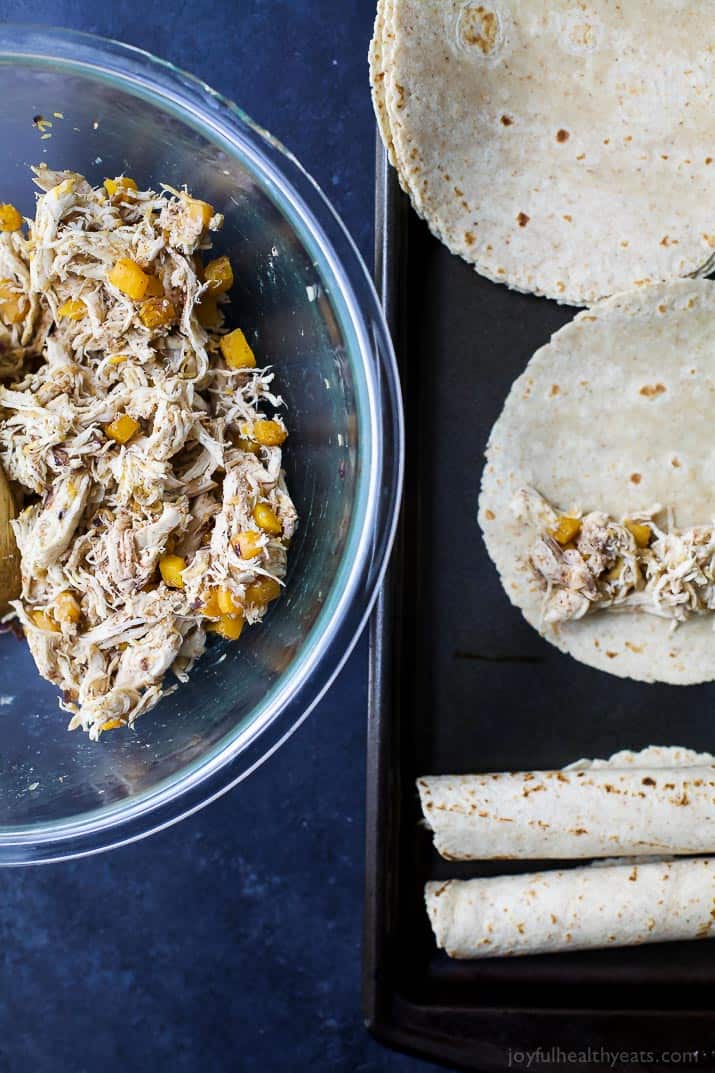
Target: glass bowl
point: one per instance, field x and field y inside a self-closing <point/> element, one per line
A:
<point x="304" y="292"/>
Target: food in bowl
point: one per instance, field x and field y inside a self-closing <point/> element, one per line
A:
<point x="141" y="438"/>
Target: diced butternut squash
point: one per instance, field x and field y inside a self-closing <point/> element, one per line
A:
<point x="200" y="211"/>
<point x="112" y="724"/>
<point x="129" y="278"/>
<point x="219" y="275"/>
<point x="73" y="309"/>
<point x="269" y="433"/>
<point x="249" y="544"/>
<point x="640" y="532"/>
<point x="267" y="519"/>
<point x="262" y="591"/>
<point x="116" y="186"/>
<point x="566" y="529"/>
<point x="12" y="305"/>
<point x="67" y="608"/>
<point x="228" y="626"/>
<point x="157" y="312"/>
<point x="207" y="312"/>
<point x="227" y="602"/>
<point x="10" y="218"/>
<point x="171" y="568"/>
<point x="236" y="350"/>
<point x="122" y="428"/>
<point x="43" y="621"/>
<point x="210" y="607"/>
<point x="246" y="445"/>
<point x="154" y="288"/>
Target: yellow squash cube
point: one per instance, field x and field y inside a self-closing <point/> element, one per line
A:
<point x="210" y="607"/>
<point x="157" y="313"/>
<point x="66" y="608"/>
<point x="12" y="304"/>
<point x="565" y="530"/>
<point x="10" y="218"/>
<point x="640" y="532"/>
<point x="112" y="724"/>
<point x="236" y="350"/>
<point x="219" y="275"/>
<point x="269" y="433"/>
<point x="116" y="186"/>
<point x="262" y="591"/>
<point x="74" y="309"/>
<point x="171" y="568"/>
<point x="200" y="211"/>
<point x="228" y="626"/>
<point x="267" y="519"/>
<point x="227" y="602"/>
<point x="122" y="428"/>
<point x="249" y="544"/>
<point x="43" y="621"/>
<point x="129" y="278"/>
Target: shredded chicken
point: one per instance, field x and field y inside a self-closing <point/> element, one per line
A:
<point x="588" y="563"/>
<point x="101" y="515"/>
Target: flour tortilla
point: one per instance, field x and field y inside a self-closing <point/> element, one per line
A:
<point x="377" y="58"/>
<point x="564" y="149"/>
<point x="614" y="414"/>
<point x="575" y="909"/>
<point x="658" y="801"/>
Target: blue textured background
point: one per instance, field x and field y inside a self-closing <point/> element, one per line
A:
<point x="231" y="942"/>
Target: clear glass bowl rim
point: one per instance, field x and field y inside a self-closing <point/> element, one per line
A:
<point x="128" y="65"/>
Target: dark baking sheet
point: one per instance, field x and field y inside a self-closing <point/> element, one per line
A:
<point x="459" y="682"/>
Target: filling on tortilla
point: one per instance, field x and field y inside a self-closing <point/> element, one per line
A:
<point x="589" y="562"/>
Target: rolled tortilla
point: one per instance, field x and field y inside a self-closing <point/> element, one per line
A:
<point x="627" y="806"/>
<point x="577" y="909"/>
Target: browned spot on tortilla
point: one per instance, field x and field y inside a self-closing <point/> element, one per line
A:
<point x="469" y="238"/>
<point x="663" y="156"/>
<point x="648" y="781"/>
<point x="628" y="138"/>
<point x="562" y="135"/>
<point x="401" y="95"/>
<point x="506" y="120"/>
<point x="710" y="239"/>
<point x="669" y="785"/>
<point x="581" y="156"/>
<point x="611" y="655"/>
<point x="489" y="515"/>
<point x="635" y="478"/>
<point x="579" y="831"/>
<point x="662" y="308"/>
<point x="606" y="141"/>
<point x="554" y="920"/>
<point x="634" y="648"/>
<point x="624" y="243"/>
<point x="561" y="777"/>
<point x="665" y="241"/>
<point x="708" y="160"/>
<point x="675" y="462"/>
<point x="651" y="390"/>
<point x="560" y="287"/>
<point x="523" y="219"/>
<point x="634" y="874"/>
<point x="555" y="389"/>
<point x="682" y="800"/>
<point x="520" y="929"/>
<point x="479" y="27"/>
<point x="458" y="192"/>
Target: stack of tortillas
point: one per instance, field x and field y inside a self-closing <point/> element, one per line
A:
<point x="643" y="807"/>
<point x="566" y="149"/>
